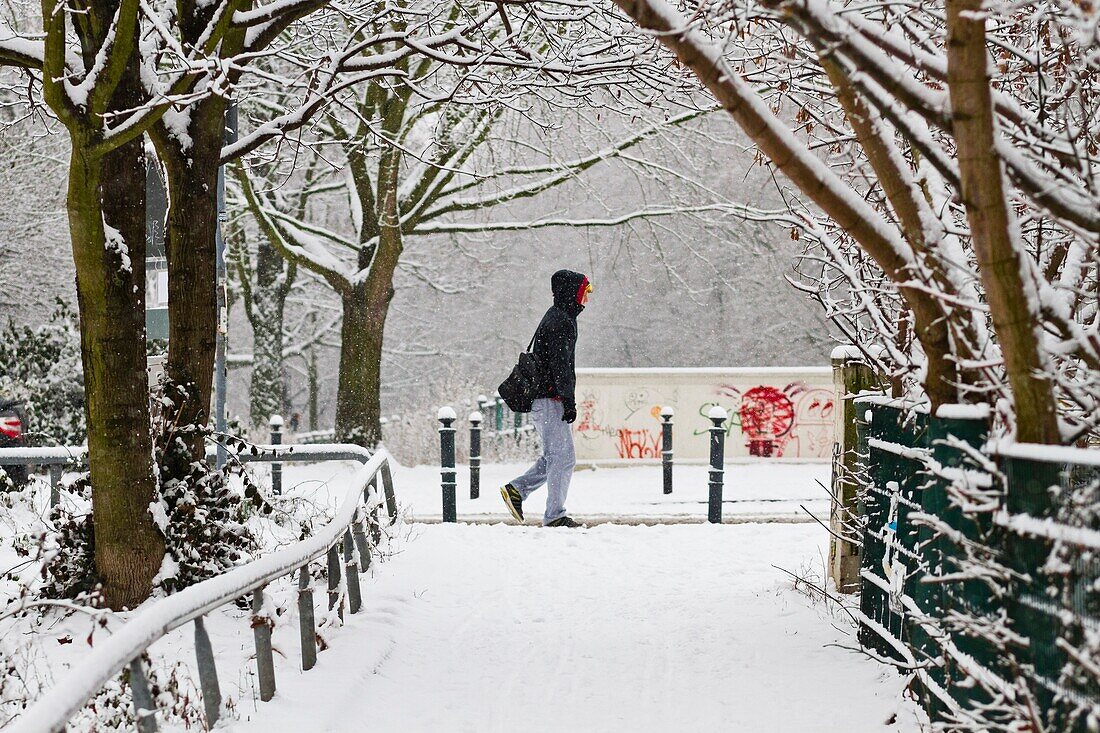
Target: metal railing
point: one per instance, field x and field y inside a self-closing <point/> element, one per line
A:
<point x="500" y="420"/>
<point x="54" y="458"/>
<point x="126" y="646"/>
<point x="314" y="437"/>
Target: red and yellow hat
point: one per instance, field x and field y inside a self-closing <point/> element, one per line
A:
<point x="585" y="287"/>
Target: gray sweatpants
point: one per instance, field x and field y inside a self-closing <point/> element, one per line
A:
<point x="555" y="466"/>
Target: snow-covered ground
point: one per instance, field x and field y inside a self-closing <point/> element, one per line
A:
<point x="759" y="490"/>
<point x="489" y="626"/>
<point x="614" y="628"/>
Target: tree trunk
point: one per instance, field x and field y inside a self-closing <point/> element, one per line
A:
<point x="314" y="387"/>
<point x="932" y="323"/>
<point x="192" y="264"/>
<point x="359" y="391"/>
<point x="366" y="304"/>
<point x="1013" y="300"/>
<point x="110" y="280"/>
<point x="267" y="390"/>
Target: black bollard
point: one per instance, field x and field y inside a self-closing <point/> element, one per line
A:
<point x="666" y="447"/>
<point x="447" y="417"/>
<point x="717" y="416"/>
<point x="475" y="454"/>
<point x="276" y="425"/>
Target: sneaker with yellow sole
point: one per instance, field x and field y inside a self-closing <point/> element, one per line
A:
<point x="512" y="500"/>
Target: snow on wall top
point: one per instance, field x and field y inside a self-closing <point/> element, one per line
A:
<point x="703" y="371"/>
<point x="846" y="351"/>
<point x="964" y="412"/>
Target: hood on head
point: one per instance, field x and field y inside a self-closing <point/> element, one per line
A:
<point x="565" y="285"/>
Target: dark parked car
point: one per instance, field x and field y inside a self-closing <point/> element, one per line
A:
<point x="13" y="422"/>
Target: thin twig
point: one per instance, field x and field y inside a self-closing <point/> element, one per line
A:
<point x="824" y="593"/>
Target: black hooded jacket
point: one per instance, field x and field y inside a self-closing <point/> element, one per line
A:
<point x="556" y="338"/>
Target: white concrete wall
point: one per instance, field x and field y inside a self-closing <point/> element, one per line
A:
<point x="787" y="412"/>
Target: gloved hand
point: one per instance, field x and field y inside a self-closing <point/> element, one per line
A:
<point x="569" y="415"/>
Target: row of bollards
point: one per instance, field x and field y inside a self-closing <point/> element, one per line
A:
<point x="447" y="417"/>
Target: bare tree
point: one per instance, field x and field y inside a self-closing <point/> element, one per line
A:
<point x="887" y="121"/>
<point x="411" y="167"/>
<point x="115" y="70"/>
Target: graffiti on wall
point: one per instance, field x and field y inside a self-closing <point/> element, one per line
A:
<point x="639" y="443"/>
<point x="767" y="419"/>
<point x="795" y="421"/>
<point x="631" y="441"/>
<point x="771" y="415"/>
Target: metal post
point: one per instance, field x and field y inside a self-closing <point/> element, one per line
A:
<point x="387" y="489"/>
<point x="375" y="525"/>
<point x="666" y="447"/>
<point x="223" y="305"/>
<point x="55" y="484"/>
<point x="475" y="454"/>
<point x="145" y="711"/>
<point x="447" y="417"/>
<point x="718" y="417"/>
<point x="208" y="675"/>
<point x="372" y="514"/>
<point x="334" y="580"/>
<point x="276" y="425"/>
<point x="500" y="414"/>
<point x="351" y="572"/>
<point x="265" y="661"/>
<point x="360" y="535"/>
<point x="307" y="625"/>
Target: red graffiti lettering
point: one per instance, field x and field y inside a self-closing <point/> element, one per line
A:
<point x="639" y="444"/>
<point x="587" y="417"/>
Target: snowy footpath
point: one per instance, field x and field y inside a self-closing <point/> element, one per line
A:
<point x="759" y="490"/>
<point x="615" y="628"/>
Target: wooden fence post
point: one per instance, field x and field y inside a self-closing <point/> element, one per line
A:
<point x="851" y="375"/>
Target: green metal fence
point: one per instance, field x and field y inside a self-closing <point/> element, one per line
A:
<point x="501" y="421"/>
<point x="981" y="570"/>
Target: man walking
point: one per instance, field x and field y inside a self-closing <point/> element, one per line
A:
<point x="555" y="406"/>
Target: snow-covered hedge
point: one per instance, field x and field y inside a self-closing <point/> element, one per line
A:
<point x="41" y="367"/>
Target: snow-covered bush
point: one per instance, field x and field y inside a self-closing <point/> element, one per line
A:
<point x="201" y="516"/>
<point x="24" y="676"/>
<point x="69" y="567"/>
<point x="41" y="367"/>
<point x="200" y="513"/>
